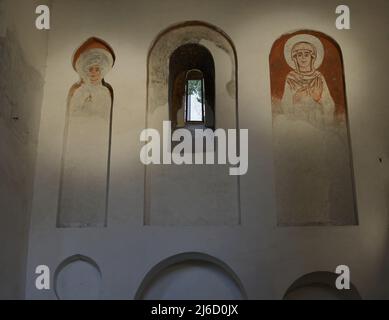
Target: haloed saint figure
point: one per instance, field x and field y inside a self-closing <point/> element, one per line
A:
<point x="306" y="93"/>
<point x="312" y="156"/>
<point x="84" y="179"/>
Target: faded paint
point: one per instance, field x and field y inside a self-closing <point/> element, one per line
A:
<point x="313" y="169"/>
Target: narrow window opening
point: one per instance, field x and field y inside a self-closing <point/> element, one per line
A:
<point x="194" y="92"/>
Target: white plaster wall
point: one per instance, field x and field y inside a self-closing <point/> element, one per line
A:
<point x="267" y="259"/>
<point x="22" y="65"/>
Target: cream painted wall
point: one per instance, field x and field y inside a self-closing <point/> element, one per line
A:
<point x="267" y="259"/>
<point x="22" y="65"/>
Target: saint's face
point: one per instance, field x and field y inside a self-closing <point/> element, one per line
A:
<point x="94" y="74"/>
<point x="304" y="58"/>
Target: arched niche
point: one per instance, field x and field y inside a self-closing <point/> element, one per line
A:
<point x="78" y="278"/>
<point x="312" y="150"/>
<point x="83" y="192"/>
<point x="191" y="276"/>
<point x="191" y="194"/>
<point x="191" y="59"/>
<point x="320" y="285"/>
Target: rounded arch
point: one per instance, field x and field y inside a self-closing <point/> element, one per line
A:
<point x="186" y="58"/>
<point x="81" y="266"/>
<point x="307" y="31"/>
<point x="319" y="285"/>
<point x="192" y="23"/>
<point x="88" y="130"/>
<point x="167" y="41"/>
<point x="333" y="70"/>
<point x="92" y="43"/>
<point x="158" y="112"/>
<point x="188" y="258"/>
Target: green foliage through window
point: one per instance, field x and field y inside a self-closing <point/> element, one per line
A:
<point x="195" y="88"/>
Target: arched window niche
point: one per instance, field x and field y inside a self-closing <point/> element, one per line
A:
<point x="312" y="150"/>
<point x="202" y="53"/>
<point x="78" y="278"/>
<point x="83" y="192"/>
<point x="320" y="285"/>
<point x="192" y="87"/>
<point x="191" y="275"/>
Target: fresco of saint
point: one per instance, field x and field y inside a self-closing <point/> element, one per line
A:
<point x="306" y="92"/>
<point x="312" y="156"/>
<point x="83" y="192"/>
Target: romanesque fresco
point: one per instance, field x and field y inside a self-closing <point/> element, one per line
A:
<point x="85" y="164"/>
<point x="312" y="153"/>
